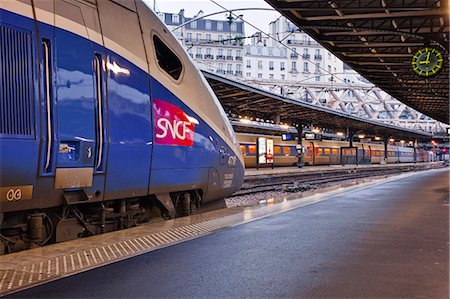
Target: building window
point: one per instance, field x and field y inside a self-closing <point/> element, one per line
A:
<point x="248" y="64"/>
<point x="317" y="68"/>
<point x="238" y="67"/>
<point x="233" y="27"/>
<point x="208" y="24"/>
<point x="208" y="38"/>
<point x="294" y="65"/>
<point x="260" y="65"/>
<point x="189" y="37"/>
<point x="329" y="68"/>
<point x="208" y="51"/>
<point x="271" y="65"/>
<point x="247" y="50"/>
<point x="229" y="52"/>
<point x="220" y="38"/>
<point x="317" y="78"/>
<point x="270" y="52"/>
<point x="259" y="76"/>
<point x="219" y="26"/>
<point x="283" y="52"/>
<point x="199" y="51"/>
<point x="194" y="25"/>
<point x="238" y="53"/>
<point x="166" y="59"/>
<point x="305" y="67"/>
<point x="229" y="68"/>
<point x="282" y="68"/>
<point x="248" y="74"/>
<point x="220" y="52"/>
<point x="175" y="19"/>
<point x="270" y="76"/>
<point x="282" y="76"/>
<point x="220" y="66"/>
<point x="198" y="37"/>
<point x="259" y="51"/>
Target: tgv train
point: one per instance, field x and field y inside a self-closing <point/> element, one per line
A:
<point x="105" y="122"/>
<point x="328" y="152"/>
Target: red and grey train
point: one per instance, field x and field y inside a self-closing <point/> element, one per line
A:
<point x="329" y="152"/>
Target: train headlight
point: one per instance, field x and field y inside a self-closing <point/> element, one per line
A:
<point x="232" y="161"/>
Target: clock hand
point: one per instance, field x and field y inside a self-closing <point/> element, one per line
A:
<point x="428" y="57"/>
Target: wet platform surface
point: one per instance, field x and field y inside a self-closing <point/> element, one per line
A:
<point x="384" y="240"/>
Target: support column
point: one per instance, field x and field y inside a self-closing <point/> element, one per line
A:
<point x="386" y="139"/>
<point x="277" y="118"/>
<point x="415" y="151"/>
<point x="299" y="128"/>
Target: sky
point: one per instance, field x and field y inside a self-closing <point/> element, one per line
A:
<point x="259" y="19"/>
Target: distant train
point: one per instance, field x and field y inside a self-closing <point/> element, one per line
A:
<point x="105" y="122"/>
<point x="328" y="152"/>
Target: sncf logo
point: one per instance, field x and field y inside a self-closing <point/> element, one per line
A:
<point x="172" y="125"/>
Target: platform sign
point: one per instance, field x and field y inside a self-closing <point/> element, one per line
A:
<point x="262" y="150"/>
<point x="269" y="155"/>
<point x="310" y="136"/>
<point x="286" y="137"/>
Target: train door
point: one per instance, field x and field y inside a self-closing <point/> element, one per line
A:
<point x="129" y="107"/>
<point x="312" y="153"/>
<point x="79" y="100"/>
<point x="19" y="129"/>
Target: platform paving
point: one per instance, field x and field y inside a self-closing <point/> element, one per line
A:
<point x="350" y="231"/>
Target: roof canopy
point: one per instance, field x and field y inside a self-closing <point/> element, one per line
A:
<point x="378" y="38"/>
<point x="243" y="99"/>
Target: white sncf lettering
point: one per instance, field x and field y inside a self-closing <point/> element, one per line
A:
<point x="177" y="129"/>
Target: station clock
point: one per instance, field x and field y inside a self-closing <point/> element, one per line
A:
<point x="427" y="62"/>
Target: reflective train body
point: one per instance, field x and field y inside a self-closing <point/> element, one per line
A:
<point x="328" y="152"/>
<point x="104" y="118"/>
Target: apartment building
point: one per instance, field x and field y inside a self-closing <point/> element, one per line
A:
<point x="216" y="45"/>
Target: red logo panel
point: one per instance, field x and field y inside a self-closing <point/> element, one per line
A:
<point x="172" y="125"/>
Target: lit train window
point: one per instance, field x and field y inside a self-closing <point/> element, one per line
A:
<point x="326" y="151"/>
<point x="166" y="59"/>
<point x="277" y="149"/>
<point x="252" y="149"/>
<point x="243" y="149"/>
<point x="286" y="150"/>
<point x="335" y="151"/>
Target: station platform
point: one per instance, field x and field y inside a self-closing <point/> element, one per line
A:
<point x="359" y="224"/>
<point x="267" y="171"/>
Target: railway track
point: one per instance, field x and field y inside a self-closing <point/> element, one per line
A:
<point x="304" y="181"/>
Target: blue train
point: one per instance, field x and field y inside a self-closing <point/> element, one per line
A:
<point x="105" y="122"/>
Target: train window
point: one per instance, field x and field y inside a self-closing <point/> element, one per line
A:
<point x="252" y="149"/>
<point x="286" y="150"/>
<point x="166" y="59"/>
<point x="277" y="149"/>
<point x="326" y="151"/>
<point x="243" y="149"/>
<point x="334" y="151"/>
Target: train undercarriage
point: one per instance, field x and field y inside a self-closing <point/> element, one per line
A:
<point x="33" y="228"/>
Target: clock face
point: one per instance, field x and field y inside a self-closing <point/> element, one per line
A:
<point x="427" y="62"/>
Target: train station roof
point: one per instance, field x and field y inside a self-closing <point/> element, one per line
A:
<point x="241" y="99"/>
<point x="378" y="39"/>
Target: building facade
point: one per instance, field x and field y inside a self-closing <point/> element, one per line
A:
<point x="216" y="45"/>
<point x="289" y="54"/>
